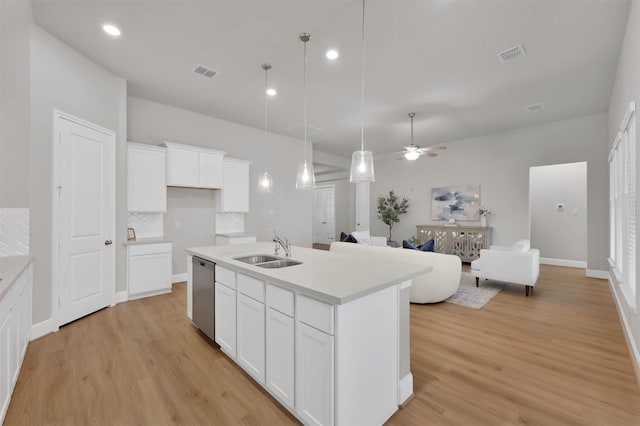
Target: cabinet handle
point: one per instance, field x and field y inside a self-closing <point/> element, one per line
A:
<point x="108" y="242"/>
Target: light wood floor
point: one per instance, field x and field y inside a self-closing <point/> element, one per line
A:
<point x="555" y="358"/>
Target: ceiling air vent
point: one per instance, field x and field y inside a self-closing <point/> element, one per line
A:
<point x="204" y="71"/>
<point x="536" y="107"/>
<point x="511" y="54"/>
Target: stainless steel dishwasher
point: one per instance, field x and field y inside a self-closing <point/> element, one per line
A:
<point x="204" y="296"/>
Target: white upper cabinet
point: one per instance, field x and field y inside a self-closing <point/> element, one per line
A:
<point x="234" y="196"/>
<point x="194" y="167"/>
<point x="146" y="183"/>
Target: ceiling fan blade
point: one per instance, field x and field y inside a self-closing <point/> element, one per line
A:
<point x="433" y="148"/>
<point x="431" y="154"/>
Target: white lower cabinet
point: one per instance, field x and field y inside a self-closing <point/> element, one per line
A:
<point x="225" y="318"/>
<point x="314" y="375"/>
<point x="280" y="356"/>
<point x="15" y="330"/>
<point x="149" y="269"/>
<point x="251" y="333"/>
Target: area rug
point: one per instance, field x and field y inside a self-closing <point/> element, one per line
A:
<point x="475" y="297"/>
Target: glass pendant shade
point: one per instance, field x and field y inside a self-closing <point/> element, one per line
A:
<point x="362" y="167"/>
<point x="265" y="182"/>
<point x="305" y="178"/>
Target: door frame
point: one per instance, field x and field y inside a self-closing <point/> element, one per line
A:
<point x="331" y="186"/>
<point x="55" y="208"/>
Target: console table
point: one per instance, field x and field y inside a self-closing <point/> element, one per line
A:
<point x="463" y="241"/>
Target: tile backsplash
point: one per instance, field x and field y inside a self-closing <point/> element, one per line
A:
<point x="229" y="222"/>
<point x="14" y="231"/>
<point x="146" y="225"/>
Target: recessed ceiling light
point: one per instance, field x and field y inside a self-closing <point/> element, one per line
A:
<point x="332" y="54"/>
<point x="112" y="30"/>
<point x="271" y="91"/>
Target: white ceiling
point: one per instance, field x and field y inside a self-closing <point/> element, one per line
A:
<point x="436" y="58"/>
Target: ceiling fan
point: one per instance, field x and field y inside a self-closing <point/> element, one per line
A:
<point x="413" y="151"/>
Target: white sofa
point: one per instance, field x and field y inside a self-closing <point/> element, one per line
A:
<point x="432" y="287"/>
<point x="364" y="237"/>
<point x="518" y="264"/>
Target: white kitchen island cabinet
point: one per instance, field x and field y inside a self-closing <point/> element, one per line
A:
<point x="324" y="337"/>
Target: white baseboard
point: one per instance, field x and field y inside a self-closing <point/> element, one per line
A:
<point x="405" y="388"/>
<point x="122" y="296"/>
<point x="594" y="273"/>
<point x="563" y="262"/>
<point x="42" y="329"/>
<point x="178" y="278"/>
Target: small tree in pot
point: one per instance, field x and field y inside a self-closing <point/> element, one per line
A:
<point x="390" y="208"/>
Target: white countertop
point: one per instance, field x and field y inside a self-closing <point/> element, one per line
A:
<point x="235" y="235"/>
<point x="146" y="241"/>
<point x="10" y="269"/>
<point x="333" y="277"/>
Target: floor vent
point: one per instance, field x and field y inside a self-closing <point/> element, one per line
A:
<point x="204" y="71"/>
<point x="512" y="54"/>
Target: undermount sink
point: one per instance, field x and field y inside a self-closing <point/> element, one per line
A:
<point x="283" y="263"/>
<point x="267" y="261"/>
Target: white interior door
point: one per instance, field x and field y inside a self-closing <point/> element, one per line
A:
<point x="324" y="214"/>
<point x="86" y="218"/>
<point x="362" y="206"/>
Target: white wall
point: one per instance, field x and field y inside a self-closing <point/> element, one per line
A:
<point x="15" y="23"/>
<point x="500" y="164"/>
<point x="559" y="234"/>
<point x="62" y="78"/>
<point x="287" y="210"/>
<point x="626" y="88"/>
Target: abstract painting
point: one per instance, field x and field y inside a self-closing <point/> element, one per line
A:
<point x="458" y="202"/>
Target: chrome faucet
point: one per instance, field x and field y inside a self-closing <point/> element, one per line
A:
<point x="284" y="243"/>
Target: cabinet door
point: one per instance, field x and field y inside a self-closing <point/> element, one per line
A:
<point x="14" y="344"/>
<point x="362" y="206"/>
<point x="146" y="183"/>
<point x="149" y="273"/>
<point x="184" y="166"/>
<point x="314" y="375"/>
<point x="211" y="169"/>
<point x="5" y="349"/>
<point x="235" y="194"/>
<point x="225" y="323"/>
<point x="251" y="334"/>
<point x="280" y="356"/>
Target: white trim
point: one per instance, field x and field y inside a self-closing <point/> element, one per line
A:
<point x="563" y="262"/>
<point x="615" y="144"/>
<point x="625" y="326"/>
<point x="122" y="296"/>
<point x="595" y="273"/>
<point x="405" y="388"/>
<point x="42" y="328"/>
<point x="627" y="116"/>
<point x="55" y="207"/>
<point x="178" y="278"/>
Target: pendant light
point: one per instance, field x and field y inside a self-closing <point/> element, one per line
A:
<point x="413" y="153"/>
<point x="305" y="177"/>
<point x="362" y="161"/>
<point x="265" y="181"/>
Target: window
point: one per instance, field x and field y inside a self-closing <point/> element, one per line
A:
<point x="622" y="205"/>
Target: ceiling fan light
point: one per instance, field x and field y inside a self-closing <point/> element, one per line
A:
<point x="412" y="155"/>
<point x="305" y="178"/>
<point x="362" y="167"/>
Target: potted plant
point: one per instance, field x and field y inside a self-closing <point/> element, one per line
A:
<point x="484" y="212"/>
<point x="390" y="209"/>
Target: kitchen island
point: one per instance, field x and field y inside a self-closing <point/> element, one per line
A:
<point x="328" y="338"/>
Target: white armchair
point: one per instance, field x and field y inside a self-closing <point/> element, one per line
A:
<point x="364" y="237"/>
<point x="518" y="264"/>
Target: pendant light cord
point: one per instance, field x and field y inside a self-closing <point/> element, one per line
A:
<point x="305" y="101"/>
<point x="362" y="87"/>
<point x="412" y="130"/>
<point x="266" y="85"/>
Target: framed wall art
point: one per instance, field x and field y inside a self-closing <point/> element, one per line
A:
<point x="458" y="202"/>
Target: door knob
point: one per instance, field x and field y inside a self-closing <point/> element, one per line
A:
<point x="108" y="242"/>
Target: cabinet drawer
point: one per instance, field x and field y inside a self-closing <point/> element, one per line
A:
<point x="137" y="250"/>
<point x="280" y="299"/>
<point x="226" y="276"/>
<point x="251" y="287"/>
<point x="315" y="313"/>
